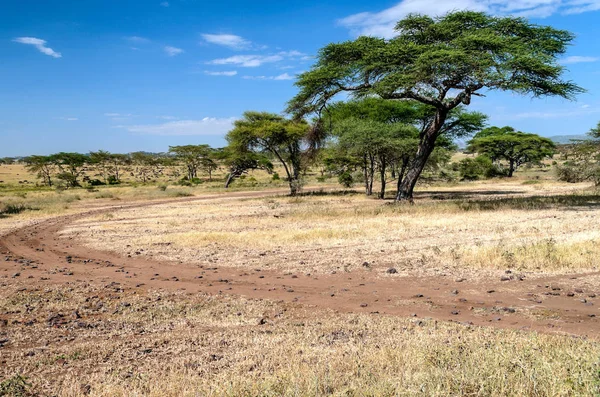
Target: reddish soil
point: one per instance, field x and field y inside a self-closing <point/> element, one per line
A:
<point x="556" y="304"/>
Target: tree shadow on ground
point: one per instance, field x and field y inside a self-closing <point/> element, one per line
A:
<point x="568" y="202"/>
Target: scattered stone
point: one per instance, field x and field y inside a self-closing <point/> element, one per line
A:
<point x="363" y="305"/>
<point x="391" y="270"/>
<point x="418" y="296"/>
<point x="491" y="291"/>
<point x="570" y="294"/>
<point x="3" y="342"/>
<point x="454" y="292"/>
<point x="262" y="321"/>
<point x="591" y="315"/>
<point x="460" y="280"/>
<point x="505" y="278"/>
<point x="366" y="264"/>
<point x="455" y="312"/>
<point x="578" y="291"/>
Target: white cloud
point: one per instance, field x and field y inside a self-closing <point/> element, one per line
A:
<point x="39" y="44"/>
<point x="578" y="59"/>
<point x="165" y="4"/>
<point x="67" y="118"/>
<point x="280" y="77"/>
<point x="117" y="115"/>
<point x="247" y="61"/>
<point x="205" y="126"/>
<point x="227" y="40"/>
<point x="582" y="111"/>
<point x="137" y="39"/>
<point x="382" y="23"/>
<point x="225" y="73"/>
<point x="172" y="51"/>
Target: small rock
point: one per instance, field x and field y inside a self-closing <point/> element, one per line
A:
<point x="460" y="280"/>
<point x="454" y="292"/>
<point x="262" y="321"/>
<point x="491" y="291"/>
<point x="455" y="312"/>
<point x="363" y="305"/>
<point x="391" y="270"/>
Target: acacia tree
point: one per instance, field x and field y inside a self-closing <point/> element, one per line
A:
<point x="240" y="161"/>
<point x="268" y="132"/>
<point x="145" y="166"/>
<point x="193" y="157"/>
<point x="442" y="63"/>
<point x="583" y="162"/>
<point x="70" y="166"/>
<point x="42" y="166"/>
<point x="515" y="147"/>
<point x="387" y="133"/>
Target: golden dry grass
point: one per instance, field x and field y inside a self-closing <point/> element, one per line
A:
<point x="541" y="229"/>
<point x="172" y="344"/>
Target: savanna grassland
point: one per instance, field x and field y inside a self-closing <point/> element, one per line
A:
<point x="140" y="290"/>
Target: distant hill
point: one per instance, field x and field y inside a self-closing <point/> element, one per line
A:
<point x="566" y="139"/>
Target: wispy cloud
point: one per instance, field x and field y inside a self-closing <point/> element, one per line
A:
<point x="280" y="77"/>
<point x="118" y="116"/>
<point x="67" y="118"/>
<point x="39" y="44"/>
<point x="227" y="40"/>
<point x="137" y="39"/>
<point x="165" y="4"/>
<point x="558" y="113"/>
<point x="252" y="61"/>
<point x="172" y="51"/>
<point x="205" y="126"/>
<point x="382" y="23"/>
<point x="247" y="61"/>
<point x="578" y="59"/>
<point x="225" y="73"/>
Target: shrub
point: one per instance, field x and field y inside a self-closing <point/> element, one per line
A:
<point x="276" y="177"/>
<point x="472" y="169"/>
<point x="346" y="179"/>
<point x="162" y="187"/>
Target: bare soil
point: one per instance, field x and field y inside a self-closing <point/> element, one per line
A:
<point x="38" y="256"/>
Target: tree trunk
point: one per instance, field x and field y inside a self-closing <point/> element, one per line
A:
<point x="511" y="168"/>
<point x="382" y="168"/>
<point x="426" y="146"/>
<point x="230" y="179"/>
<point x="402" y="171"/>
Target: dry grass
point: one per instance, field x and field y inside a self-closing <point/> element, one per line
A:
<point x="454" y="231"/>
<point x="171" y="344"/>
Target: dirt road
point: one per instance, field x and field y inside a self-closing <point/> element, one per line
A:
<point x="38" y="255"/>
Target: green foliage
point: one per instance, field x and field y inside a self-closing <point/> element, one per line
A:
<point x="440" y="63"/>
<point x="463" y="51"/>
<point x="517" y="148"/>
<point x="259" y="132"/>
<point x="276" y="177"/>
<point x="194" y="158"/>
<point x="346" y="179"/>
<point x="17" y="386"/>
<point x="471" y="169"/>
<point x="584" y="160"/>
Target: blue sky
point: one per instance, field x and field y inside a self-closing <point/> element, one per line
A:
<point x="142" y="75"/>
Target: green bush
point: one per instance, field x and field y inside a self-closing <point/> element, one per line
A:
<point x="472" y="169"/>
<point x="276" y="177"/>
<point x="346" y="179"/>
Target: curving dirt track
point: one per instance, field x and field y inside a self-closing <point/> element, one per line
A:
<point x="557" y="304"/>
